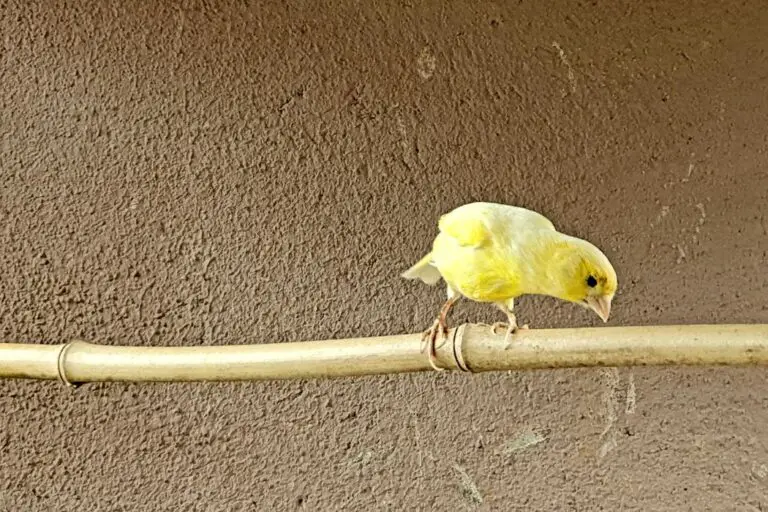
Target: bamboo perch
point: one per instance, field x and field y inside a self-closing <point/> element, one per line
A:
<point x="471" y="347"/>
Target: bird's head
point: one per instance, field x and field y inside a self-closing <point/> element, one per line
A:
<point x="586" y="277"/>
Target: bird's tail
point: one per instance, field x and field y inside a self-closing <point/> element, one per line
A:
<point x="423" y="270"/>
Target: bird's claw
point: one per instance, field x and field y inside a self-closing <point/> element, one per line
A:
<point x="429" y="341"/>
<point x="511" y="330"/>
<point x="497" y="325"/>
<point x="505" y="325"/>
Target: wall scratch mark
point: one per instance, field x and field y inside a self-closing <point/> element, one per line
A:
<point x="631" y="394"/>
<point x="468" y="487"/>
<point x="611" y="403"/>
<point x="567" y="64"/>
<point x="426" y="63"/>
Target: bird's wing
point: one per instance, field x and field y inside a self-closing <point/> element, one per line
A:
<point x="465" y="227"/>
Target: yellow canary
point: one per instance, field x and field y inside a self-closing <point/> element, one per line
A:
<point x="494" y="253"/>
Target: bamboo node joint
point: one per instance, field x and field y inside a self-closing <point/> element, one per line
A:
<point x="61" y="368"/>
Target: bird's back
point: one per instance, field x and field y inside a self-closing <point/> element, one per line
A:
<point x="471" y="220"/>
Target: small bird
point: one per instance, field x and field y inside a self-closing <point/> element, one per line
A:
<point x="495" y="253"/>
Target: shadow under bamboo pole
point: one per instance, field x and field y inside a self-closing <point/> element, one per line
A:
<point x="469" y="347"/>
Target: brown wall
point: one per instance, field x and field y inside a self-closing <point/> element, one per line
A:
<point x="219" y="172"/>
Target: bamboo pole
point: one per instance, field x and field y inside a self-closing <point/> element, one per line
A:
<point x="469" y="347"/>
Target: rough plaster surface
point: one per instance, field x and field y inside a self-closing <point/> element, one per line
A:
<point x="245" y="172"/>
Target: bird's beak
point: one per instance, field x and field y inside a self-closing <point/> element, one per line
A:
<point x="600" y="305"/>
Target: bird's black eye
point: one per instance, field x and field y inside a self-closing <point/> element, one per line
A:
<point x="591" y="281"/>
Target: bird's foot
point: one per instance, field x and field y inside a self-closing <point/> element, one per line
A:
<point x="429" y="341"/>
<point x="511" y="329"/>
<point x="498" y="325"/>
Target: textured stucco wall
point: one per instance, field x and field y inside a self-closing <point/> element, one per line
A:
<point x="242" y="172"/>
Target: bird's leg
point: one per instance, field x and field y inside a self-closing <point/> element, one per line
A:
<point x="439" y="326"/>
<point x="511" y="325"/>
